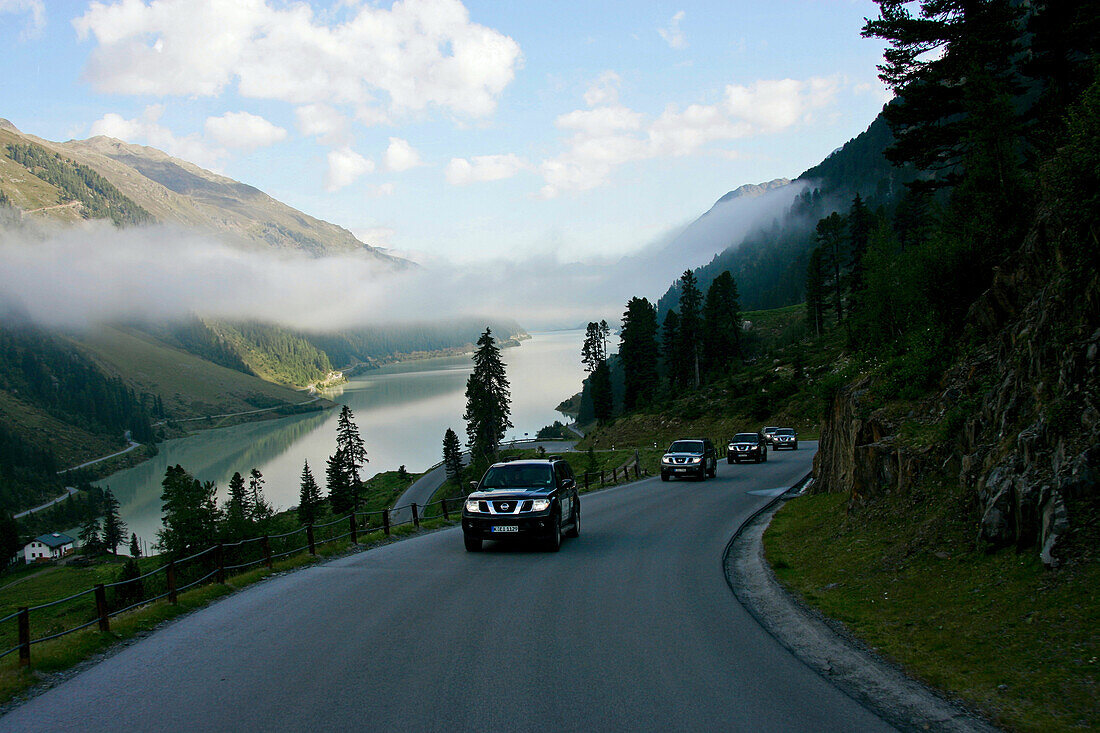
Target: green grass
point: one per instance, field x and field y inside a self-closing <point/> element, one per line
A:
<point x="1018" y="642"/>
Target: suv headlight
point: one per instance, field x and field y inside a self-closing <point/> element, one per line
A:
<point x="540" y="505"/>
<point x="697" y="459"/>
<point x="666" y="459"/>
<point x="471" y="506"/>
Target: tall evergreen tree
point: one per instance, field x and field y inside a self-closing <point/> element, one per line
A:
<point x="348" y="440"/>
<point x="639" y="353"/>
<point x="488" y="400"/>
<point x="602" y="397"/>
<point x="238" y="508"/>
<point x="10" y="542"/>
<point x="815" y="292"/>
<point x="309" y="497"/>
<point x="90" y="542"/>
<point x="592" y="350"/>
<point x="261" y="509"/>
<point x="689" y="335"/>
<point x="721" y="323"/>
<point x="452" y="456"/>
<point x="671" y="358"/>
<point x="338" y="479"/>
<point x="135" y="546"/>
<point x="830" y="239"/>
<point x="605" y="338"/>
<point x="114" y="529"/>
<point x="859" y="236"/>
<point x="190" y="512"/>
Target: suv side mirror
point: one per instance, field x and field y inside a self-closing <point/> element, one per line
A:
<point x="473" y="486"/>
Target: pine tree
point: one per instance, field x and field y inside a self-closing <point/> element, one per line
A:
<point x="309" y="497"/>
<point x="689" y="336"/>
<point x="114" y="529"/>
<point x="238" y="508"/>
<point x="721" y="323"/>
<point x="639" y="353"/>
<point x="135" y="546"/>
<point x="90" y="543"/>
<point x="592" y="350"/>
<point x="859" y="236"/>
<point x="190" y="512"/>
<point x="815" y="292"/>
<point x="261" y="511"/>
<point x="602" y="398"/>
<point x="338" y="479"/>
<point x="605" y="338"/>
<point x="671" y="358"/>
<point x="452" y="456"/>
<point x="348" y="440"/>
<point x="488" y="400"/>
<point x="9" y="534"/>
<point x="830" y="239"/>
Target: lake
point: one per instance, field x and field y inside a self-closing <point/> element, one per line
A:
<point x="402" y="411"/>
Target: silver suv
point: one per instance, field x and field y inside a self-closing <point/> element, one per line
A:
<point x="784" y="438"/>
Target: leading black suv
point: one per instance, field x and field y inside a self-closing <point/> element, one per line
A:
<point x="523" y="499"/>
<point x="747" y="447"/>
<point x="690" y="457"/>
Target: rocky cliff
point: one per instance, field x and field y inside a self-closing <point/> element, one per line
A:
<point x="1015" y="421"/>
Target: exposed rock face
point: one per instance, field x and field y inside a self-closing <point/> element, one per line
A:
<point x="1030" y="449"/>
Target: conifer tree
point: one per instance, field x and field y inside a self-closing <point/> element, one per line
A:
<point x="9" y="534"/>
<point x="830" y="238"/>
<point x="114" y="529"/>
<point x="338" y="479"/>
<point x="348" y="441"/>
<point x="721" y="323"/>
<point x="135" y="546"/>
<point x="593" y="350"/>
<point x="261" y="510"/>
<point x="815" y="292"/>
<point x="602" y="398"/>
<point x="452" y="456"/>
<point x="190" y="512"/>
<point x="689" y="335"/>
<point x="488" y="400"/>
<point x="309" y="497"/>
<point x="639" y="353"/>
<point x="671" y="358"/>
<point x="238" y="508"/>
<point x="90" y="543"/>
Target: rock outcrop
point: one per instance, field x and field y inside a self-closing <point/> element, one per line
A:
<point x="1022" y="408"/>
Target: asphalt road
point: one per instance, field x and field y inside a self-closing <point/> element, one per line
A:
<point x="629" y="627"/>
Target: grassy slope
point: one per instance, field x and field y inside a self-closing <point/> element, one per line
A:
<point x="995" y="629"/>
<point x="189" y="386"/>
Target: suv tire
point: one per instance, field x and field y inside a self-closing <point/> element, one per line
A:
<point x="473" y="544"/>
<point x="553" y="544"/>
<point x="575" y="530"/>
<point x="664" y="476"/>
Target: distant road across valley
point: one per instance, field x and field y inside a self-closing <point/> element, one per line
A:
<point x="631" y="626"/>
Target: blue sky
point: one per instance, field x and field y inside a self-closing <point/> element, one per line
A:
<point x="459" y="132"/>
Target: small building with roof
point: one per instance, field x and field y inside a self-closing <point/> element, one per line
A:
<point x="45" y="547"/>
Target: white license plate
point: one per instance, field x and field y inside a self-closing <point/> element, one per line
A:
<point x="681" y="470"/>
<point x="506" y="528"/>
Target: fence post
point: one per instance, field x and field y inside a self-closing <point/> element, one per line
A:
<point x="416" y="516"/>
<point x="601" y="477"/>
<point x="172" y="597"/>
<point x="586" y="480"/>
<point x="24" y="636"/>
<point x="309" y="539"/>
<point x="386" y="521"/>
<point x="266" y="545"/>
<point x="101" y="607"/>
<point x="220" y="555"/>
<point x="446" y="515"/>
<point x="614" y="475"/>
<point x="637" y="472"/>
<point x="354" y="536"/>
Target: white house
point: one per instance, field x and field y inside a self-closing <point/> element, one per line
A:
<point x="48" y="547"/>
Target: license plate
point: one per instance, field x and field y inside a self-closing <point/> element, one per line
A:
<point x="681" y="470"/>
<point x="506" y="528"/>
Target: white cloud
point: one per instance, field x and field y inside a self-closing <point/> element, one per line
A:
<point x="419" y="54"/>
<point x="243" y="130"/>
<point x="611" y="135"/>
<point x="374" y="236"/>
<point x="36" y="9"/>
<point x="344" y="167"/>
<point x="327" y="124"/>
<point x="147" y="130"/>
<point x="673" y="35"/>
<point x="604" y="90"/>
<point x="461" y="171"/>
<point x="400" y="156"/>
<point x="380" y="190"/>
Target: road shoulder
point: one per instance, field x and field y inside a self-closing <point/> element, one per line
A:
<point x="824" y="646"/>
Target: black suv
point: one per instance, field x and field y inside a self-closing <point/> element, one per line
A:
<point x="690" y="457"/>
<point x="784" y="438"/>
<point x="523" y="499"/>
<point x="747" y="447"/>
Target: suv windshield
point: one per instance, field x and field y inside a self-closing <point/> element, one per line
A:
<point x="785" y="431"/>
<point x="686" y="446"/>
<point x="744" y="438"/>
<point x="517" y="477"/>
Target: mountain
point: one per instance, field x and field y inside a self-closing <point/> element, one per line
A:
<point x="165" y="189"/>
<point x="769" y="261"/>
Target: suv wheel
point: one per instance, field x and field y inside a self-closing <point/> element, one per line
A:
<point x="575" y="530"/>
<point x="664" y="476"/>
<point x="554" y="543"/>
<point x="473" y="544"/>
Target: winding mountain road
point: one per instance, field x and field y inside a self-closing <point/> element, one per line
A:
<point x="632" y="626"/>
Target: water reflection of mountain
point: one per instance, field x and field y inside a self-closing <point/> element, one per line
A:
<point x="211" y="455"/>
